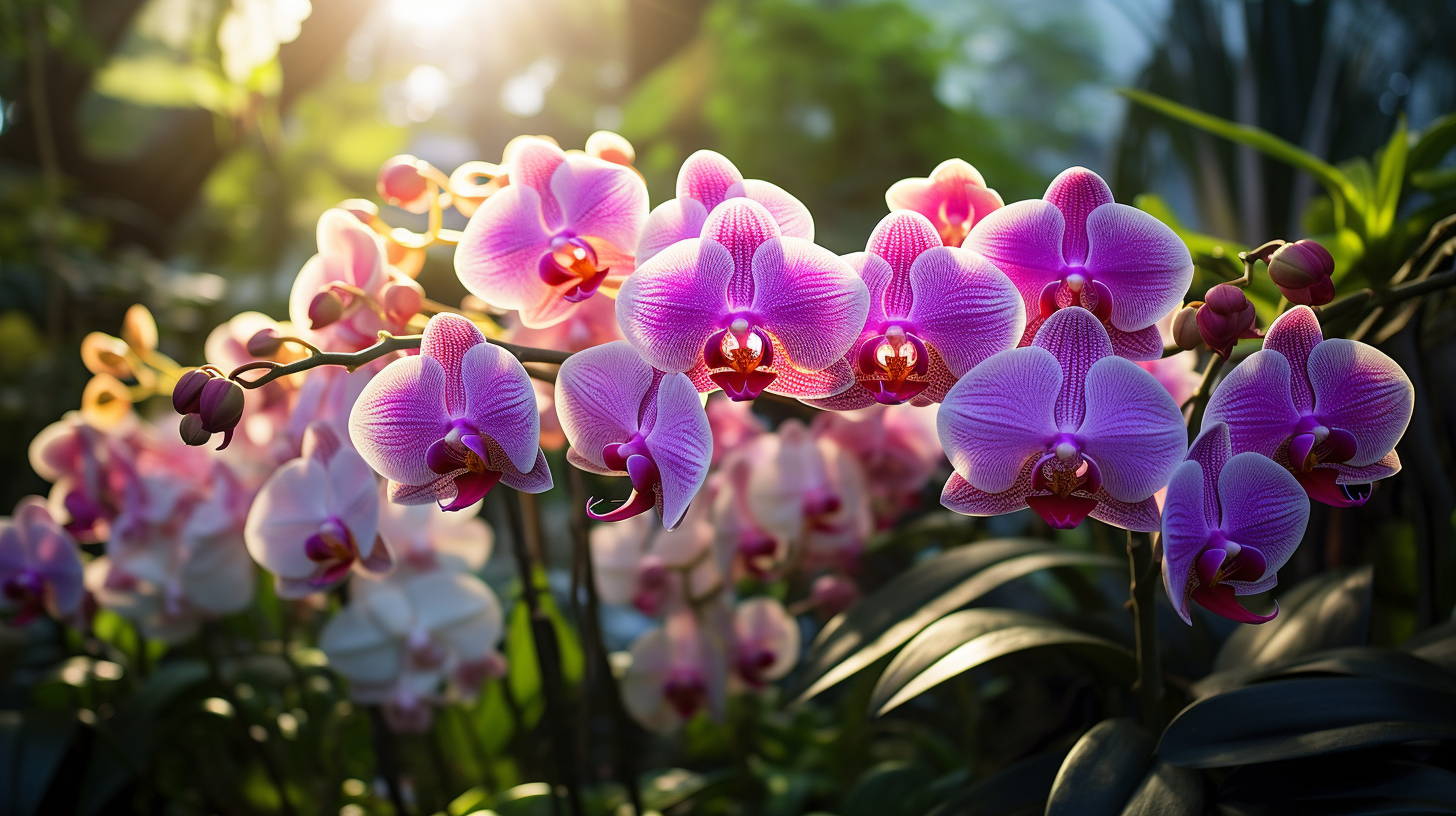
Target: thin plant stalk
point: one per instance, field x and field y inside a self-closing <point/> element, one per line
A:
<point x="1143" y="569"/>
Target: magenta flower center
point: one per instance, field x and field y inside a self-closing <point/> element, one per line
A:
<point x="25" y="589"/>
<point x="461" y="454"/>
<point x="894" y="366"/>
<point x="752" y="662"/>
<point x="333" y="548"/>
<point x="685" y="692"/>
<point x="1064" y="483"/>
<point x="633" y="457"/>
<point x="1077" y="288"/>
<point x="740" y="359"/>
<point x="1221" y="561"/>
<point x="572" y="263"/>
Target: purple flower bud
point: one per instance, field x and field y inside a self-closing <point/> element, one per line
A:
<point x="192" y="431"/>
<point x="1185" y="327"/>
<point x="325" y="308"/>
<point x="265" y="343"/>
<point x="221" y="405"/>
<point x="1225" y="316"/>
<point x="188" y="390"/>
<point x="400" y="182"/>
<point x="1302" y="272"/>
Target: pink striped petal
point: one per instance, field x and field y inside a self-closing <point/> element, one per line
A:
<point x="706" y="177"/>
<point x="501" y="403"/>
<point x="1077" y="340"/>
<point x="1023" y="240"/>
<point x="876" y="273"/>
<point x="499" y="254"/>
<point x="535" y="480"/>
<point x="853" y="399"/>
<point x="801" y="384"/>
<point x="959" y="495"/>
<point x="1295" y="334"/>
<point x="673" y="303"/>
<point x="999" y="415"/>
<point x="1077" y="192"/>
<point x="1142" y="262"/>
<point x="742" y="226"/>
<point x="397" y="417"/>
<point x="1143" y="345"/>
<point x="599" y="395"/>
<point x="1254" y="400"/>
<point x="1263" y="507"/>
<point x="1212" y="450"/>
<point x="289" y="508"/>
<point x="601" y="199"/>
<point x="899" y="239"/>
<point x="681" y="444"/>
<point x="532" y="164"/>
<point x="809" y="300"/>
<point x="447" y="339"/>
<point x="441" y="489"/>
<point x="674" y="220"/>
<point x="1360" y="390"/>
<point x="1185" y="532"/>
<point x="1142" y="517"/>
<point x="1388" y="466"/>
<point x="1132" y="429"/>
<point x="792" y="216"/>
<point x="964" y="307"/>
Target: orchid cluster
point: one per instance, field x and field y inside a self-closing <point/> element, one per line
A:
<point x="1035" y="345"/>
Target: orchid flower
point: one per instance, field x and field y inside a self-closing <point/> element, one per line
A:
<point x="746" y="309"/>
<point x="1076" y="247"/>
<point x="639" y="563"/>
<point x="1062" y="426"/>
<point x="753" y="551"/>
<point x="896" y="446"/>
<point x="564" y="228"/>
<point x="447" y="424"/>
<point x="89" y="469"/>
<point x="317" y="518"/>
<point x="424" y="537"/>
<point x="765" y="643"/>
<point x="347" y="293"/>
<point x="622" y="417"/>
<point x="1230" y="522"/>
<point x="733" y="423"/>
<point x="954" y="198"/>
<point x="40" y="565"/>
<point x="935" y="312"/>
<point x="679" y="669"/>
<point x="810" y="493"/>
<point x="1330" y="411"/>
<point x="704" y="181"/>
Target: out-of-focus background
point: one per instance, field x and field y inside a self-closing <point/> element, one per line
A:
<point x="179" y="152"/>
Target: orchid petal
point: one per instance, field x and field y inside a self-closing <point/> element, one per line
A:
<point x="499" y="252"/>
<point x="532" y="165"/>
<point x="899" y="239"/>
<point x="1212" y="450"/>
<point x="1132" y="429"/>
<point x="1023" y="240"/>
<point x="1077" y="192"/>
<point x="536" y="480"/>
<point x="289" y="508"/>
<point x="1388" y="466"/>
<point x="1077" y="340"/>
<point x="599" y="395"/>
<point x="681" y="444"/>
<point x="501" y="403"/>
<point x="399" y="414"/>
<point x="959" y="495"/>
<point x="354" y="497"/>
<point x="1263" y="507"/>
<point x="1143" y="263"/>
<point x="1295" y="334"/>
<point x="706" y="176"/>
<point x="799" y="384"/>
<point x="1000" y="414"/>
<point x="673" y="220"/>
<point x="792" y="216"/>
<point x="601" y="199"/>
<point x="447" y="339"/>
<point x="1255" y="401"/>
<point x="964" y="307"/>
<point x="673" y="303"/>
<point x="1360" y="390"/>
<point x="1143" y="345"/>
<point x="1185" y="531"/>
<point x="810" y="300"/>
<point x="742" y="226"/>
<point x="1142" y="517"/>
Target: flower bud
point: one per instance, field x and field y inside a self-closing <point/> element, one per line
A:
<point x="325" y="308"/>
<point x="400" y="301"/>
<point x="188" y="390"/>
<point x="361" y="208"/>
<point x="1185" y="327"/>
<point x="1302" y="272"/>
<point x="265" y="343"/>
<point x="192" y="431"/>
<point x="139" y="329"/>
<point x="401" y="184"/>
<point x="103" y="354"/>
<point x="221" y="405"/>
<point x="833" y="594"/>
<point x="1225" y="316"/>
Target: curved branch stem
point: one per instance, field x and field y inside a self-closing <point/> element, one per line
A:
<point x="1143" y="568"/>
<point x="388" y="344"/>
<point x="1199" y="400"/>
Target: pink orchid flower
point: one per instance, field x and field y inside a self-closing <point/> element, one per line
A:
<point x="896" y="447"/>
<point x="954" y="198"/>
<point x="753" y="551"/>
<point x="348" y="293"/>
<point x="40" y="565"/>
<point x="317" y="518"/>
<point x="657" y="570"/>
<point x="1330" y="411"/>
<point x="746" y="309"/>
<point x="593" y="324"/>
<point x="810" y="494"/>
<point x="765" y="642"/>
<point x="1231" y="521"/>
<point x="935" y="312"/>
<point x="704" y="181"/>
<point x="562" y="230"/>
<point x="424" y="537"/>
<point x="90" y="470"/>
<point x="733" y="423"/>
<point x="1063" y="426"/>
<point x="1078" y="248"/>
<point x="449" y="423"/>
<point x="623" y="417"/>
<point x="679" y="669"/>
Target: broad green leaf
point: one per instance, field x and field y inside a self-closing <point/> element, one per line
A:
<point x="1435" y="179"/>
<point x="1388" y="182"/>
<point x="524" y="671"/>
<point x="1263" y="141"/>
<point x="1020" y="788"/>
<point x="1342" y="784"/>
<point x="1435" y="142"/>
<point x="964" y="640"/>
<point x="1291" y="719"/>
<point x="921" y="595"/>
<point x="1323" y="612"/>
<point x="530" y="799"/>
<point x="886" y="789"/>
<point x="672" y="786"/>
<point x="1354" y="661"/>
<point x="1167" y="790"/>
<point x="1102" y="770"/>
<point x="1435" y="645"/>
<point x="32" y="745"/>
<point x="1199" y="243"/>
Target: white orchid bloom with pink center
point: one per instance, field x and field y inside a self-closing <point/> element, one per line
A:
<point x="811" y="493"/>
<point x="953" y="198"/>
<point x="328" y="396"/>
<point x="704" y="181"/>
<point x="765" y="641"/>
<point x="423" y="537"/>
<point x="562" y="230"/>
<point x="623" y="417"/>
<point x="317" y="518"/>
<point x="40" y="565"/>
<point x="449" y="423"/>
<point x="896" y="446"/>
<point x="680" y="669"/>
<point x="752" y="550"/>
<point x="89" y="470"/>
<point x="656" y="570"/>
<point x="733" y="423"/>
<point x="347" y="293"/>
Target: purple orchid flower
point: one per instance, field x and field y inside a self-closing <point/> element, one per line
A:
<point x="447" y="424"/>
<point x="935" y="312"/>
<point x="1329" y="411"/>
<point x="1063" y="426"/>
<point x="1230" y="522"/>
<point x="746" y="309"/>
<point x="1078" y="248"/>
<point x="704" y="181"/>
<point x="562" y="230"/>
<point x="40" y="565"/>
<point x="623" y="417"/>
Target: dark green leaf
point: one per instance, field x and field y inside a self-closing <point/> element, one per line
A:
<point x="1020" y="788"/>
<point x="1435" y="142"/>
<point x="42" y="743"/>
<point x="1102" y="770"/>
<point x="671" y="786"/>
<point x="1289" y="719"/>
<point x="921" y="595"/>
<point x="1435" y="179"/>
<point x="1436" y="645"/>
<point x="1167" y="790"/>
<point x="1353" y="661"/>
<point x="1389" y="181"/>
<point x="885" y="789"/>
<point x="969" y="638"/>
<point x="1327" y="611"/>
<point x="1329" y="780"/>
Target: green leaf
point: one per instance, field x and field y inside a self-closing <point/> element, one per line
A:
<point x="886" y="789"/>
<point x="1354" y="661"/>
<point x="1167" y="790"/>
<point x="1020" y="788"/>
<point x="1435" y="179"/>
<point x="163" y="83"/>
<point x="1436" y="645"/>
<point x="1326" y="611"/>
<point x="32" y="745"/>
<point x="921" y="595"/>
<point x="524" y="672"/>
<point x="672" y="786"/>
<point x="1102" y="770"/>
<point x="1355" y="784"/>
<point x="1435" y="142"/>
<point x="964" y="640"/>
<point x="1263" y="141"/>
<point x="1388" y="182"/>
<point x="1291" y="719"/>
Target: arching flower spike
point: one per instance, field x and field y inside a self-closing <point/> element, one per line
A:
<point x="1330" y="411"/>
<point x="1230" y="522"/>
<point x="954" y="198"/>
<point x="562" y="230"/>
<point x="1062" y="426"/>
<point x="746" y="309"/>
<point x="447" y="424"/>
<point x="1078" y="248"/>
<point x="935" y="312"/>
<point x="704" y="181"/>
<point x="622" y="417"/>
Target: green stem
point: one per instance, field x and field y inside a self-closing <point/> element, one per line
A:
<point x="386" y="763"/>
<point x="270" y="767"/>
<point x="1200" y="397"/>
<point x="1143" y="569"/>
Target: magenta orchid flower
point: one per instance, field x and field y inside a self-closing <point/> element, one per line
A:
<point x="317" y="518"/>
<point x="954" y="198"/>
<point x="746" y="309"/>
<point x="1063" y="426"/>
<point x="1076" y="247"/>
<point x="935" y="312"/>
<point x="679" y="669"/>
<point x="40" y="565"/>
<point x="348" y="293"/>
<point x="449" y="423"/>
<point x="562" y="230"/>
<point x="622" y="417"/>
<point x="704" y="181"/>
<point x="1230" y="522"/>
<point x="1330" y="411"/>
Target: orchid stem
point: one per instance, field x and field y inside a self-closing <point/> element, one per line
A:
<point x="1142" y="567"/>
<point x="388" y="344"/>
<point x="385" y="760"/>
<point x="1200" y="397"/>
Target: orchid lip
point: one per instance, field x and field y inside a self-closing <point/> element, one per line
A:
<point x="646" y="482"/>
<point x="740" y="359"/>
<point x="572" y="262"/>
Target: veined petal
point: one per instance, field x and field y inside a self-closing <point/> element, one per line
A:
<point x="1388" y="466"/>
<point x="681" y="444"/>
<point x="1132" y="429"/>
<point x="1360" y="390"/>
<point x="1142" y="517"/>
<point x="289" y="508"/>
<point x="599" y="395"/>
<point x="1142" y="262"/>
<point x="499" y="254"/>
<point x="706" y="177"/>
<point x="1023" y="240"/>
<point x="1077" y="192"/>
<point x="809" y="299"/>
<point x="792" y="216"/>
<point x="1185" y="531"/>
<point x="899" y="239"/>
<point x="959" y="495"/>
<point x="801" y="384"/>
<point x="875" y="273"/>
<point x="447" y="339"/>
<point x="742" y="226"/>
<point x="1000" y="414"/>
<point x="1255" y="401"/>
<point x="536" y="479"/>
<point x="355" y="497"/>
<point x="1212" y="450"/>
<point x="673" y="303"/>
<point x="396" y="418"/>
<point x="532" y="164"/>
<point x="1295" y="334"/>
<point x="601" y="199"/>
<point x="1143" y="345"/>
<point x="1077" y="340"/>
<point x="674" y="220"/>
<point x="1263" y="507"/>
<point x="501" y="403"/>
<point x="964" y="307"/>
